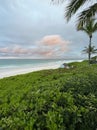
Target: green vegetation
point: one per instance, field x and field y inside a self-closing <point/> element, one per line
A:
<point x="61" y="99"/>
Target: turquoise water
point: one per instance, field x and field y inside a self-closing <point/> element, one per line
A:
<point x="14" y="63"/>
<point x="9" y="67"/>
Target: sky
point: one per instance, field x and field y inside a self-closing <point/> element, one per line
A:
<point x="37" y="29"/>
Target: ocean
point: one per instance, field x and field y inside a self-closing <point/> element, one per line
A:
<point x="9" y="67"/>
<point x="19" y="63"/>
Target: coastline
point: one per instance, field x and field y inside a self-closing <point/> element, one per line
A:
<point x="14" y="72"/>
<point x="8" y="72"/>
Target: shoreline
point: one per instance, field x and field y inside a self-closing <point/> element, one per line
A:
<point x="24" y="70"/>
<point x="20" y="71"/>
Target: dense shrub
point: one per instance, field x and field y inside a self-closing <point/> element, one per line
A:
<point x="61" y="99"/>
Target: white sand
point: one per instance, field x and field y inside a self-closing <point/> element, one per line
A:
<point x="18" y="71"/>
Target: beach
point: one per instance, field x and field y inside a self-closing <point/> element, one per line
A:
<point x="12" y="67"/>
<point x="16" y="67"/>
<point x="13" y="72"/>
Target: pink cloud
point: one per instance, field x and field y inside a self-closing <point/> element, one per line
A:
<point x="43" y="53"/>
<point x="51" y="46"/>
<point x="4" y="50"/>
<point x="14" y="50"/>
<point x="51" y="40"/>
<point x="55" y="44"/>
<point x="20" y="50"/>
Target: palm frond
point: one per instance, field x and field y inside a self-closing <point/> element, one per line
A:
<point x="86" y="50"/>
<point x="94" y="51"/>
<point x="87" y="14"/>
<point x="89" y="27"/>
<point x="85" y="28"/>
<point x="90" y="49"/>
<point x="72" y="8"/>
<point x="95" y="27"/>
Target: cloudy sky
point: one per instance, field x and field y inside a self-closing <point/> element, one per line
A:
<point x="38" y="29"/>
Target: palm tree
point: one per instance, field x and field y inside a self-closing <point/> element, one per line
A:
<point x="89" y="28"/>
<point x="90" y="50"/>
<point x="75" y="5"/>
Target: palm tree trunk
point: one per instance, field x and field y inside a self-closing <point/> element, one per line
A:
<point x="89" y="55"/>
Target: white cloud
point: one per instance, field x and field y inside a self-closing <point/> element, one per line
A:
<point x="51" y="46"/>
<point x="27" y="28"/>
